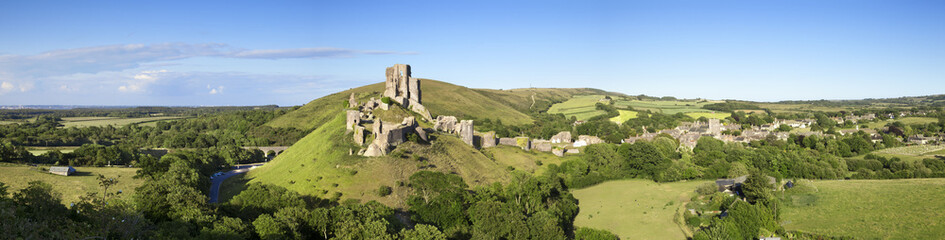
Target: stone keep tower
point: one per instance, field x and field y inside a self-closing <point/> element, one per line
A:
<point x="400" y="87"/>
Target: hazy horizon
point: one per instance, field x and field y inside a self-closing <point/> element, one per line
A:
<point x="180" y="53"/>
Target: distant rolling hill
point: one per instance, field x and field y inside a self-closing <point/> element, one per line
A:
<point x="320" y="165"/>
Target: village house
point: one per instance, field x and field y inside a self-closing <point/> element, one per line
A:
<point x="920" y="139"/>
<point x="65" y="171"/>
<point x="734" y="185"/>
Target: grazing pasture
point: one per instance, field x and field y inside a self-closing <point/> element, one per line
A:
<point x="910" y="153"/>
<point x="583" y="107"/>
<point x="85" y="180"/>
<point x="624" y="116"/>
<point x="36" y="151"/>
<point x="796" y="108"/>
<point x="105" y="121"/>
<point x="869" y="209"/>
<point x="666" y="107"/>
<point x="635" y="208"/>
<point x="905" y="120"/>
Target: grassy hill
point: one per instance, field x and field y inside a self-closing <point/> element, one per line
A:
<point x="320" y="165"/>
<point x="441" y="98"/>
<point x="870" y="209"/>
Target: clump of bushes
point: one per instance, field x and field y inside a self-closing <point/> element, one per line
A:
<point x="383" y="191"/>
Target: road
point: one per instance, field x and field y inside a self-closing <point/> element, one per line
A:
<point x="216" y="181"/>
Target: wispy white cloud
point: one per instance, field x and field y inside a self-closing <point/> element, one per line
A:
<point x="23" y="72"/>
<point x="6" y="86"/>
<point x="135" y="74"/>
<point x="120" y="57"/>
<point x="216" y="90"/>
<point x="140" y="81"/>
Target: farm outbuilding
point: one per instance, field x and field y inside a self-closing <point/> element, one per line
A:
<point x="65" y="171"/>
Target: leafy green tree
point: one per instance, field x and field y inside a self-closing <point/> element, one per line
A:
<point x="722" y="230"/>
<point x="422" y="232"/>
<point x="35" y="212"/>
<point x="738" y="169"/>
<point x="584" y="233"/>
<point x="708" y="144"/>
<point x="646" y="159"/>
<point x="544" y="225"/>
<point x="269" y="227"/>
<point x="493" y="219"/>
<point x="263" y="198"/>
<point x="757" y="187"/>
<point x="440" y="200"/>
<point x="227" y="228"/>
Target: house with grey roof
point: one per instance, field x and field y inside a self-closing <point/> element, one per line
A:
<point x="65" y="171"/>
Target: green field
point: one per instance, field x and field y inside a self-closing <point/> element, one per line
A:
<point x="797" y="108"/>
<point x="36" y="151"/>
<point x="870" y="209"/>
<point x="624" y="116"/>
<point x="716" y="115"/>
<point x="911" y="153"/>
<point x="666" y="107"/>
<point x="636" y="208"/>
<point x="105" y="121"/>
<point x="905" y="120"/>
<point x="582" y="107"/>
<point x="71" y="187"/>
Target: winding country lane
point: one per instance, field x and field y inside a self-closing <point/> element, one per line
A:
<point x="218" y="180"/>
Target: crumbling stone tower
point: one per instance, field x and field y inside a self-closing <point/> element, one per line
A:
<point x="400" y="87"/>
<point x="405" y="90"/>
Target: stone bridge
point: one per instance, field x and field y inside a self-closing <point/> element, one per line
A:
<point x="277" y="149"/>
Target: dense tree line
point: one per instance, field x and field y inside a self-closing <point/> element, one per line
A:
<point x="243" y="128"/>
<point x="730" y="106"/>
<point x="879" y="167"/>
<point x="119" y="145"/>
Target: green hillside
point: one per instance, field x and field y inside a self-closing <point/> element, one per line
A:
<point x="441" y="98"/>
<point x="320" y="165"/>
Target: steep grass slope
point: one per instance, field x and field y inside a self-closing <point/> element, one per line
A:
<point x="319" y="165"/>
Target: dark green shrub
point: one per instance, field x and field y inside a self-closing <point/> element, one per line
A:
<point x="383" y="191"/>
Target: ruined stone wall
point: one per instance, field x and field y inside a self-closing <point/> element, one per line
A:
<point x="507" y="141"/>
<point x="353" y="119"/>
<point x="488" y="140"/>
<point x="561" y="137"/>
<point x="445" y="124"/>
<point x="397" y="81"/>
<point x="541" y="145"/>
<point x="465" y="131"/>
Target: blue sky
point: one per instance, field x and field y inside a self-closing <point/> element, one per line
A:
<point x="289" y="53"/>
